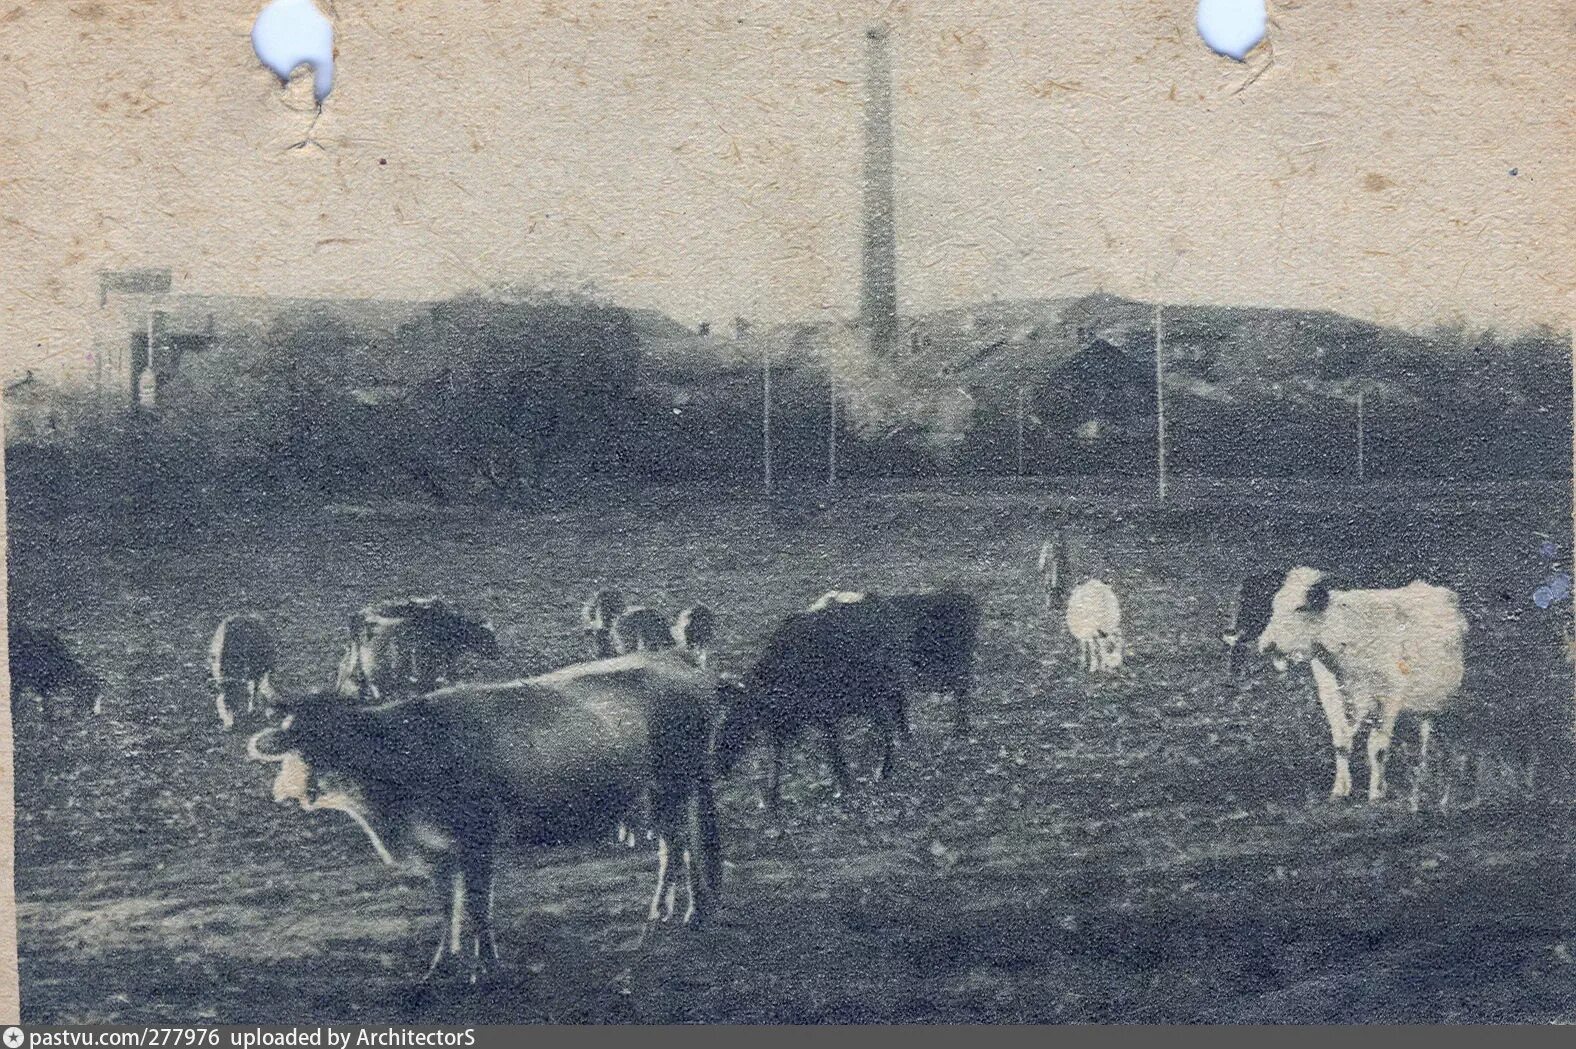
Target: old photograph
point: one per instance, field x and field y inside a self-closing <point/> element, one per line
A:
<point x="808" y="513"/>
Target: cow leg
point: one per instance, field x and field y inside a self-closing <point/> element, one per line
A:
<point x="692" y="888"/>
<point x="703" y="857"/>
<point x="654" y="914"/>
<point x="226" y="718"/>
<point x="477" y="871"/>
<point x="1420" y="773"/>
<point x="834" y="754"/>
<point x="449" y="887"/>
<point x="1378" y="753"/>
<point x="903" y="727"/>
<point x="489" y="942"/>
<point x="885" y="768"/>
<point x="1340" y="729"/>
<point x="774" y="775"/>
<point x="251" y="696"/>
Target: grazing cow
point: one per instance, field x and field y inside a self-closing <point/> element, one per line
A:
<point x="695" y="631"/>
<point x="641" y="629"/>
<point x="1054" y="573"/>
<point x="941" y="632"/>
<point x="240" y="665"/>
<point x="819" y="669"/>
<point x="42" y="664"/>
<point x="1094" y="618"/>
<point x="1250" y="614"/>
<point x="596" y="622"/>
<point x="1374" y="654"/>
<point x="465" y="771"/>
<point x="837" y="597"/>
<point x="409" y="645"/>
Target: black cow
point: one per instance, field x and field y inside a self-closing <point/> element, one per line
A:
<point x="942" y="629"/>
<point x="409" y="645"/>
<point x="465" y="771"/>
<point x="1250" y="614"/>
<point x="819" y="669"/>
<point x="641" y="629"/>
<point x="41" y="663"/>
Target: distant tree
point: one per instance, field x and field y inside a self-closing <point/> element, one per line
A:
<point x="509" y="396"/>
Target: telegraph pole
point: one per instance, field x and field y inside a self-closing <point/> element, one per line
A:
<point x="1020" y="430"/>
<point x="831" y="430"/>
<point x="1360" y="422"/>
<point x="1160" y="404"/>
<point x="766" y="413"/>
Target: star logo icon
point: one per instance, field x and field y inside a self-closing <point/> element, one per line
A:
<point x="13" y="1037"/>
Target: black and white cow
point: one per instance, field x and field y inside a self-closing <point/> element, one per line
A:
<point x="596" y="622"/>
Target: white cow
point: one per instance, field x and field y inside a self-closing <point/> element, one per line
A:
<point x="1094" y="618"/>
<point x="1373" y="654"/>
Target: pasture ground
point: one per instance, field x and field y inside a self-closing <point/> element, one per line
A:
<point x="1152" y="847"/>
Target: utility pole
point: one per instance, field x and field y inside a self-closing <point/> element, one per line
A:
<point x="1020" y="430"/>
<point x="831" y="429"/>
<point x="766" y="413"/>
<point x="1160" y="404"/>
<point x="1360" y="421"/>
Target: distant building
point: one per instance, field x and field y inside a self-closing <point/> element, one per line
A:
<point x="145" y="332"/>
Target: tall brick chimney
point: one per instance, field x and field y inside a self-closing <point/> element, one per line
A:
<point x="878" y="292"/>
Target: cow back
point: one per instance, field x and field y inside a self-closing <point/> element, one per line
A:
<point x="1407" y="645"/>
<point x="834" y="661"/>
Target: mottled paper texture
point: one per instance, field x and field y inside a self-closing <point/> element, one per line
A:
<point x="1405" y="166"/>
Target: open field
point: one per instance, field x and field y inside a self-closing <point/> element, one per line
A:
<point x="1153" y="847"/>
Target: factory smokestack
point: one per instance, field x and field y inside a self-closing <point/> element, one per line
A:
<point x="878" y="294"/>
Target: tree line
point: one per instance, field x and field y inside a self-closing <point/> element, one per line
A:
<point x="508" y="400"/>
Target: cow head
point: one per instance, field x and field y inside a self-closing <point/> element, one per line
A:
<point x="324" y="748"/>
<point x="1296" y="616"/>
<point x="482" y="639"/>
<point x="601" y="608"/>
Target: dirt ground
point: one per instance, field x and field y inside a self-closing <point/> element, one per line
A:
<point x="1156" y="846"/>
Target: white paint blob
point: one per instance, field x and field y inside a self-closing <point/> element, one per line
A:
<point x="1231" y="27"/>
<point x="293" y="33"/>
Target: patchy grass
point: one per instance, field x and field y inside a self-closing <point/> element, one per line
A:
<point x="1156" y="846"/>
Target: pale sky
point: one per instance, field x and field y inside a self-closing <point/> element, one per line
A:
<point x="702" y="158"/>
